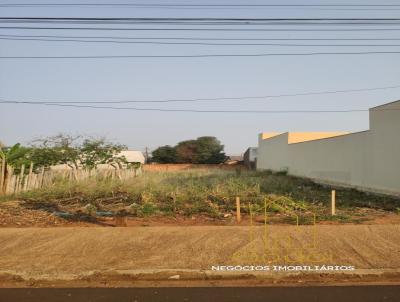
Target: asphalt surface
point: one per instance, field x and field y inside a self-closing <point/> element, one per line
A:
<point x="209" y="294"/>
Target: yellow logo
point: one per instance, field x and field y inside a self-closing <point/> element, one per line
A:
<point x="298" y="245"/>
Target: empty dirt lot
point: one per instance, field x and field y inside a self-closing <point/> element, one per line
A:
<point x="46" y="255"/>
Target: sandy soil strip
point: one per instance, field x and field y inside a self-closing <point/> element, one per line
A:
<point x="79" y="253"/>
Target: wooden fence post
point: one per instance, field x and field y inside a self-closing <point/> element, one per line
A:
<point x="3" y="175"/>
<point x="238" y="216"/>
<point x="16" y="186"/>
<point x="41" y="178"/>
<point x="120" y="221"/>
<point x="333" y="203"/>
<point x="20" y="183"/>
<point x="9" y="180"/>
<point x="29" y="178"/>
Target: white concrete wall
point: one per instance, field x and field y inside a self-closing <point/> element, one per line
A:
<point x="252" y="154"/>
<point x="368" y="160"/>
<point x="273" y="153"/>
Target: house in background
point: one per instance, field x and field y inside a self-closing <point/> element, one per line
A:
<point x="250" y="158"/>
<point x="132" y="156"/>
<point x="234" y="160"/>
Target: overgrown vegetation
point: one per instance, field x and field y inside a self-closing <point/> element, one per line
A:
<point x="210" y="193"/>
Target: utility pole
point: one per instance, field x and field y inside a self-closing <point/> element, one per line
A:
<point x="146" y="155"/>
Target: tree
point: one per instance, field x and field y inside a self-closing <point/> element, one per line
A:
<point x="58" y="149"/>
<point x="98" y="151"/>
<point x="76" y="151"/>
<point x="186" y="151"/>
<point x="164" y="155"/>
<point x="15" y="156"/>
<point x="209" y="151"/>
<point x="203" y="150"/>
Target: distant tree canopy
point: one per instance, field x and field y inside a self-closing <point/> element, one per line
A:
<point x="64" y="149"/>
<point x="164" y="155"/>
<point x="203" y="150"/>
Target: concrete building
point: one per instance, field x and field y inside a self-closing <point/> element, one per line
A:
<point x="367" y="160"/>
<point x="250" y="157"/>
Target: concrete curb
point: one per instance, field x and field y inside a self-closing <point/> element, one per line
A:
<point x="190" y="274"/>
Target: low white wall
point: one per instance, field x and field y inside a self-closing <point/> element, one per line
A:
<point x="368" y="160"/>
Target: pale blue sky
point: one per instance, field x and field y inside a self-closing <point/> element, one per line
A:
<point x="155" y="79"/>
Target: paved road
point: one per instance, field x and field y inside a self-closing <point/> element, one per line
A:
<point x="209" y="294"/>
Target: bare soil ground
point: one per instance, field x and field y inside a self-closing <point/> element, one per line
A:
<point x="17" y="214"/>
<point x="77" y="256"/>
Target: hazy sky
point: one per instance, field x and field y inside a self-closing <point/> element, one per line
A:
<point x="179" y="78"/>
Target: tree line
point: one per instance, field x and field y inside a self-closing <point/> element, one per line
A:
<point x="203" y="150"/>
<point x="87" y="152"/>
<point x="73" y="151"/>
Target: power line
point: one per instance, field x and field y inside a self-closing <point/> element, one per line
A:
<point x="200" y="39"/>
<point x="204" y="111"/>
<point x="205" y="22"/>
<point x="215" y="98"/>
<point x="201" y="29"/>
<point x="266" y="25"/>
<point x="200" y="56"/>
<point x="197" y="43"/>
<point x="144" y="6"/>
<point x="209" y="23"/>
<point x="195" y="110"/>
<point x="357" y="9"/>
<point x="199" y="5"/>
<point x="153" y="19"/>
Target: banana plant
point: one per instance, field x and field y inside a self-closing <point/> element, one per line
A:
<point x="15" y="156"/>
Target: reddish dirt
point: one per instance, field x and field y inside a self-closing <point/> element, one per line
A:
<point x="129" y="256"/>
<point x="13" y="214"/>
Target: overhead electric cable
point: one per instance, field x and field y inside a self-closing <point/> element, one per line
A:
<point x="202" y="111"/>
<point x="199" y="38"/>
<point x="240" y="98"/>
<point x="201" y="56"/>
<point x="174" y="5"/>
<point x="196" y="43"/>
<point x="200" y="29"/>
<point x="153" y="19"/>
